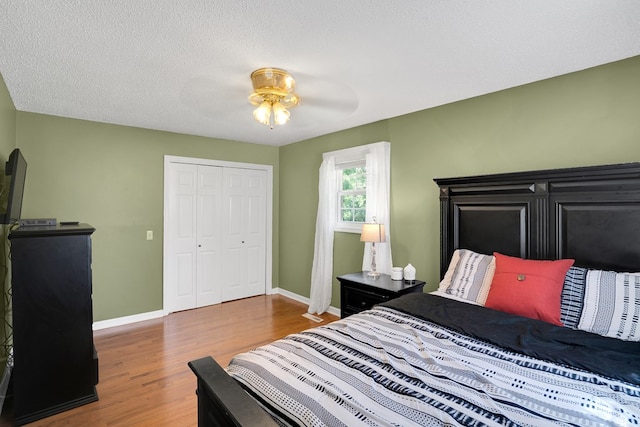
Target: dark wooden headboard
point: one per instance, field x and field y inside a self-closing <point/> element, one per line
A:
<point x="590" y="214"/>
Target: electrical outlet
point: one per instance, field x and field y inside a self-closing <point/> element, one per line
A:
<point x="149" y="234"/>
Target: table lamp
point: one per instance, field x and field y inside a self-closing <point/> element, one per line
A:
<point x="373" y="233"/>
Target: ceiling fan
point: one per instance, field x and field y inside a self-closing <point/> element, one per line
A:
<point x="232" y="95"/>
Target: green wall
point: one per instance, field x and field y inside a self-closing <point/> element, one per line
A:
<point x="112" y="178"/>
<point x="7" y="122"/>
<point x="585" y="118"/>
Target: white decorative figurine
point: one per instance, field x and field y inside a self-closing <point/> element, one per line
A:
<point x="409" y="272"/>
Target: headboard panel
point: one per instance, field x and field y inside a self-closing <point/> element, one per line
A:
<point x="590" y="214"/>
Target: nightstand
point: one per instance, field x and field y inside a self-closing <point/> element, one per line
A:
<point x="359" y="291"/>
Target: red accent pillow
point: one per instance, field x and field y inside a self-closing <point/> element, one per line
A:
<point x="528" y="288"/>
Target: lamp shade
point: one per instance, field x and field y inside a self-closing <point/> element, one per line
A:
<point x="373" y="232"/>
<point x="263" y="113"/>
<point x="280" y="114"/>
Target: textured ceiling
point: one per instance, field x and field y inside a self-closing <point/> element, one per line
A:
<point x="183" y="66"/>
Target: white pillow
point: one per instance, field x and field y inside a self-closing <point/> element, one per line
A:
<point x="612" y="305"/>
<point x="469" y="276"/>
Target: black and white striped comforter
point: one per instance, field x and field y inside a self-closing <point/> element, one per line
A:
<point x="387" y="367"/>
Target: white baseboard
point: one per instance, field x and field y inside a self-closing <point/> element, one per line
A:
<point x="304" y="300"/>
<point x="120" y="321"/>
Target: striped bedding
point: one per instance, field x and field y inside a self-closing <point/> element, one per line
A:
<point x="388" y="367"/>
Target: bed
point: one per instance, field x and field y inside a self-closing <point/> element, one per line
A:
<point x="535" y="322"/>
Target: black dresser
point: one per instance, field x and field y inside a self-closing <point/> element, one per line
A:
<point x="55" y="361"/>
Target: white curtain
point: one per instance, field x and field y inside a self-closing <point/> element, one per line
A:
<point x="378" y="163"/>
<point x="322" y="270"/>
<point x="378" y="204"/>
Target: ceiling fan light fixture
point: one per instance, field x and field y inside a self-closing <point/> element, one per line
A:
<point x="273" y="93"/>
<point x="280" y="114"/>
<point x="263" y="113"/>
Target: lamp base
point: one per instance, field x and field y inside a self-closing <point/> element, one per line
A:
<point x="373" y="274"/>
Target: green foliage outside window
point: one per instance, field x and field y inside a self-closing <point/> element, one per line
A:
<point x="354" y="179"/>
<point x="353" y="199"/>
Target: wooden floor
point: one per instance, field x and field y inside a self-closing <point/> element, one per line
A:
<point x="144" y="377"/>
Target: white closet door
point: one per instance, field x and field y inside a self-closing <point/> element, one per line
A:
<point x="181" y="268"/>
<point x="244" y="220"/>
<point x="217" y="220"/>
<point x="209" y="236"/>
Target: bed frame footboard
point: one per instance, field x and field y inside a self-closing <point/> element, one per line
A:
<point x="222" y="401"/>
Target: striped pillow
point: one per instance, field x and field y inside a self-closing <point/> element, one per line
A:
<point x="572" y="298"/>
<point x="469" y="276"/>
<point x="612" y="305"/>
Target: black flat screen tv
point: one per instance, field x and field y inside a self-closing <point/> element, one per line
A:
<point x="16" y="170"/>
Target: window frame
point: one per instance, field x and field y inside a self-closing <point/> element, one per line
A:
<point x="346" y="157"/>
<point x="340" y="225"/>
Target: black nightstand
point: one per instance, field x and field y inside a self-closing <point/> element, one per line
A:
<point x="359" y="291"/>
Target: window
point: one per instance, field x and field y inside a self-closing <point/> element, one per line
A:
<point x="352" y="194"/>
<point x="354" y="186"/>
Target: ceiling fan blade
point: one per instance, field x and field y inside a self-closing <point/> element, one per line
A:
<point x="342" y="105"/>
<point x="322" y="99"/>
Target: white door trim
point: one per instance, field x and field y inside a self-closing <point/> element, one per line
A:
<point x="269" y="226"/>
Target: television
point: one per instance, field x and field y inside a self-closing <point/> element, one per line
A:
<point x="16" y="170"/>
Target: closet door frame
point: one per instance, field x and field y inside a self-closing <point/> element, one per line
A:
<point x="269" y="217"/>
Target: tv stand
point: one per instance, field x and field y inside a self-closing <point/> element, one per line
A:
<point x="55" y="362"/>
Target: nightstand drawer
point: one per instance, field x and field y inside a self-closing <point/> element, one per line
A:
<point x="358" y="300"/>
